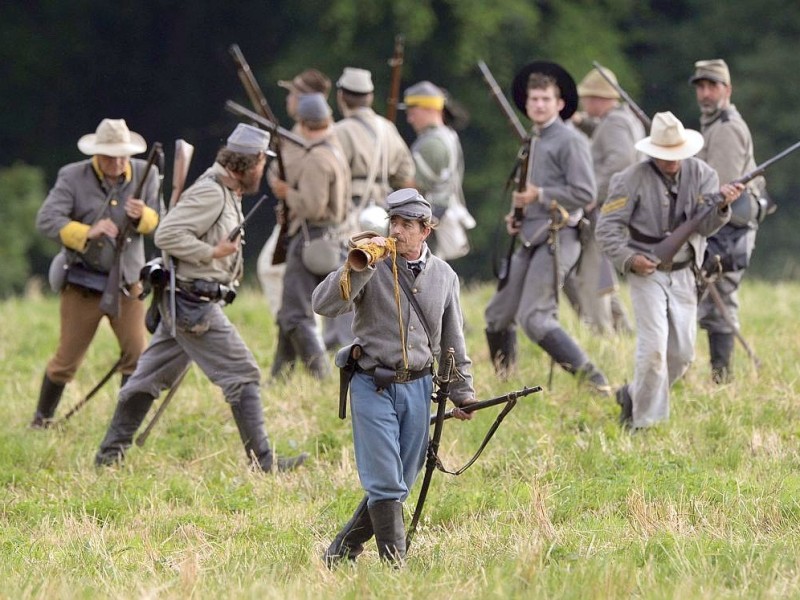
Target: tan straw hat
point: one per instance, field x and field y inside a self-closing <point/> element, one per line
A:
<point x="596" y="86"/>
<point x="668" y="140"/>
<point x="112" y="138"/>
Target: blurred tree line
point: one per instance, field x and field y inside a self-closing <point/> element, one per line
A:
<point x="164" y="66"/>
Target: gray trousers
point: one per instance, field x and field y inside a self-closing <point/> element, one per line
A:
<point x="529" y="298"/>
<point x="220" y="353"/>
<point x="665" y="308"/>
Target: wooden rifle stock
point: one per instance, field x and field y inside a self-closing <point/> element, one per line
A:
<point x="502" y="102"/>
<point x="261" y="105"/>
<point x="522" y="182"/>
<point x="666" y="249"/>
<point x="396" y="63"/>
<point x="180" y="171"/>
<point x="640" y="114"/>
<point x="109" y="302"/>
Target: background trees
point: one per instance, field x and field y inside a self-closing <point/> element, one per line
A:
<point x="164" y="67"/>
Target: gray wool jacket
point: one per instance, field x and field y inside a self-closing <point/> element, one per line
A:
<point x="638" y="200"/>
<point x="78" y="200"/>
<point x="376" y="326"/>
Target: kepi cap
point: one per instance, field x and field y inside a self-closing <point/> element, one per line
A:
<point x="112" y="138"/>
<point x="423" y="94"/>
<point x="668" y="140"/>
<point x="357" y="81"/>
<point x="247" y="139"/>
<point x="713" y="70"/>
<point x="313" y="107"/>
<point x="409" y="204"/>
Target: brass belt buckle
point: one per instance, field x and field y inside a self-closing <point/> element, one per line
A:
<point x="402" y="376"/>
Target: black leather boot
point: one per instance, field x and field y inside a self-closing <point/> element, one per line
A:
<point x="127" y="418"/>
<point x="566" y="352"/>
<point x="308" y="346"/>
<point x="285" y="356"/>
<point x="502" y="350"/>
<point x="249" y="417"/>
<point x="349" y="542"/>
<point x="625" y="406"/>
<point x="720" y="348"/>
<point x="49" y="397"/>
<point x="390" y="534"/>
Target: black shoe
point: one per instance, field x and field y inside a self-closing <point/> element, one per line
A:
<point x="626" y="407"/>
<point x="290" y="463"/>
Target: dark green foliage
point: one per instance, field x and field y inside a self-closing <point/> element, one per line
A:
<point x="21" y="193"/>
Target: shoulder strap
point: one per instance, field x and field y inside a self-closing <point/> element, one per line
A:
<point x="417" y="309"/>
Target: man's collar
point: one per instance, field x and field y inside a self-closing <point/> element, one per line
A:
<point x="127" y="175"/>
<point x="539" y="129"/>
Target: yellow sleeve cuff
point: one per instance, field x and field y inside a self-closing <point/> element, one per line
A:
<point x="148" y="221"/>
<point x="74" y="235"/>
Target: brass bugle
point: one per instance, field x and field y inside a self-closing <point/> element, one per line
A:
<point x="363" y="253"/>
<point x="359" y="259"/>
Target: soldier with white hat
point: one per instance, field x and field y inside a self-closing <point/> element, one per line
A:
<point x="86" y="211"/>
<point x="645" y="203"/>
<point x="378" y="157"/>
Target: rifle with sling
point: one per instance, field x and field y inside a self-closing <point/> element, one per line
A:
<point x="109" y="302"/>
<point x="640" y="114"/>
<point x="666" y="249"/>
<point x="441" y="415"/>
<point x="396" y="63"/>
<point x="259" y="102"/>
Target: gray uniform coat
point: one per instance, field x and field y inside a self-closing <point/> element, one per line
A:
<point x="79" y="197"/>
<point x="376" y="323"/>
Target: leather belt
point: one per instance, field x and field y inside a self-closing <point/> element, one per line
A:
<point x="674" y="266"/>
<point x="385" y="375"/>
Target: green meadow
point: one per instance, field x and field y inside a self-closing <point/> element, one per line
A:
<point x="562" y="504"/>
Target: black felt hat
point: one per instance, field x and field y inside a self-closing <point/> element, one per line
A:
<point x="565" y="82"/>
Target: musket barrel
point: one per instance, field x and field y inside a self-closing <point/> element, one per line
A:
<point x="502" y="101"/>
<point x="238" y="109"/>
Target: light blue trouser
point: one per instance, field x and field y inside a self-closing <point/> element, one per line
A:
<point x="390" y="434"/>
<point x="665" y="306"/>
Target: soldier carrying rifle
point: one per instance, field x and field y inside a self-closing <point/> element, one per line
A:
<point x="88" y="209"/>
<point x="202" y="234"/>
<point x="647" y="204"/>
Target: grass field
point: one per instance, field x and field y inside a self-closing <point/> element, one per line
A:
<point x="562" y="504"/>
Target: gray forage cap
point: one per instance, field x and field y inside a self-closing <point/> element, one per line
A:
<point x="409" y="204"/>
<point x="247" y="139"/>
